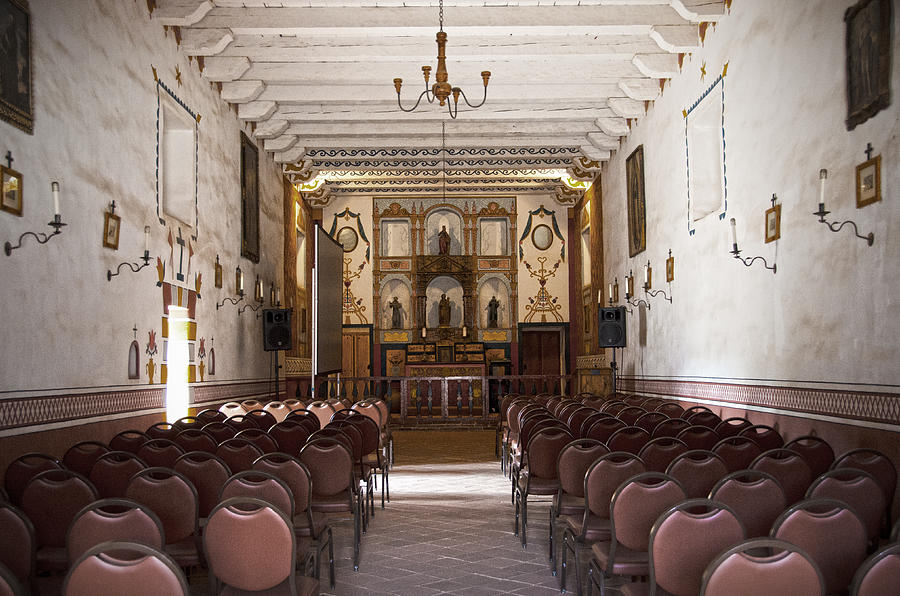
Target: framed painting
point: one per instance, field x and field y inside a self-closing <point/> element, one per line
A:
<point x="111" y="230"/>
<point x="637" y="215"/>
<point x="11" y="200"/>
<point x="868" y="40"/>
<point x="868" y="182"/>
<point x="773" y="223"/>
<point x="542" y="237"/>
<point x="16" y="102"/>
<point x="249" y="199"/>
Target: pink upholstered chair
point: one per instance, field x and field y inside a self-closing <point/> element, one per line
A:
<point x="791" y="471"/>
<point x="670" y="427"/>
<point x="289" y="435"/>
<point x="238" y="454"/>
<point x="577" y="418"/>
<point x="630" y="414"/>
<point x="260" y="438"/>
<point x="756" y="498"/>
<point x="112" y="471"/>
<point x="259" y="485"/>
<point x="323" y="411"/>
<point x="162" y="430"/>
<point x="209" y="415"/>
<point x="683" y="541"/>
<point x="630" y="439"/>
<point x="232" y="408"/>
<point x="194" y="439"/>
<point x="186" y="422"/>
<point x="856" y="488"/>
<point x="707" y="419"/>
<point x="539" y="475"/>
<point x="670" y="409"/>
<point x="277" y="409"/>
<point x="241" y="422"/>
<point x="603" y="429"/>
<point x="731" y="427"/>
<point x="658" y="453"/>
<point x="765" y="436"/>
<point x="307" y="418"/>
<point x="10" y="584"/>
<point x="208" y="474"/>
<point x="815" y="450"/>
<point x="160" y="453"/>
<point x="116" y="568"/>
<point x="263" y="418"/>
<point x="737" y="452"/>
<point x="22" y="469"/>
<point x="633" y="509"/>
<point x="19" y="544"/>
<point x="128" y="440"/>
<point x="693" y="410"/>
<point x="878" y="465"/>
<point x="698" y="471"/>
<point x="219" y="431"/>
<point x="81" y="456"/>
<point x="743" y="570"/>
<point x="698" y="436"/>
<point x="649" y="420"/>
<point x="879" y="574"/>
<point x="113" y="519"/>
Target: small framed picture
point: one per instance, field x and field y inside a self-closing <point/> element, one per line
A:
<point x="670" y="269"/>
<point x="868" y="182"/>
<point x="773" y="223"/>
<point x="111" y="230"/>
<point x="11" y="200"/>
<point x="218" y="274"/>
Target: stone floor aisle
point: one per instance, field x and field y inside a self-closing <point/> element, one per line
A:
<point x="448" y="528"/>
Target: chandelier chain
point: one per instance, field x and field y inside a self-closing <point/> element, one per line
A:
<point x="441" y="14"/>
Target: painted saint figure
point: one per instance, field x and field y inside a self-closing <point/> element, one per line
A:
<point x="443" y="241"/>
<point x="444" y="311"/>
<point x="396" y="314"/>
<point x="493" y="308"/>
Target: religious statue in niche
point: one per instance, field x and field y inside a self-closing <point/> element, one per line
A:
<point x="396" y="313"/>
<point x="493" y="307"/>
<point x="444" y="311"/>
<point x="443" y="241"/>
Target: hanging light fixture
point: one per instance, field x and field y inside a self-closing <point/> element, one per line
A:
<point x="442" y="90"/>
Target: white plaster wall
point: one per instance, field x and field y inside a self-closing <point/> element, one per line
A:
<point x="64" y="325"/>
<point x="558" y="285"/>
<point x="830" y="313"/>
<point x="362" y="285"/>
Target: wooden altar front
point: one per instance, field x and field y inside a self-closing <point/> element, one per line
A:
<point x="455" y="382"/>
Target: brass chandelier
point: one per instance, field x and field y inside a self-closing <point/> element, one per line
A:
<point x="442" y="90"/>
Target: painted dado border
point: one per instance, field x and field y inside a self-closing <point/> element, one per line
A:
<point x="19" y="412"/>
<point x="865" y="406"/>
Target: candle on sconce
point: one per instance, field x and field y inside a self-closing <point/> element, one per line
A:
<point x="54" y="190"/>
<point x="610" y="292"/>
<point x="647" y="273"/>
<point x="823" y="174"/>
<point x="278" y="296"/>
<point x="146" y="240"/>
<point x="239" y="280"/>
<point x="734" y="233"/>
<point x="465" y="331"/>
<point x="423" y="333"/>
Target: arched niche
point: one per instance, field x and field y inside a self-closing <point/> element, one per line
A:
<point x="454" y="291"/>
<point x="399" y="286"/>
<point x="443" y="218"/>
<point x="488" y="287"/>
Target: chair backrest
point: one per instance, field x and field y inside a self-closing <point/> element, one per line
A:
<point x="160" y="453"/>
<point x="260" y="485"/>
<point x="19" y="543"/>
<point x="355" y="435"/>
<point x="10" y="584"/>
<point x="294" y="404"/>
<point x="51" y="500"/>
<point x="756" y="498"/>
<point x="762" y="566"/>
<point x="658" y="453"/>
<point x="707" y="419"/>
<point x="263" y="418"/>
<point x="330" y="465"/>
<point x="335" y="434"/>
<point x="128" y="440"/>
<point x="207" y="473"/>
<point x="649" y="420"/>
<point x="832" y="534"/>
<point x="688" y="412"/>
<point x="879" y="574"/>
<point x="816" y="451"/>
<point x="604" y="477"/>
<point x="568" y="408"/>
<point x="112" y="471"/>
<point x="670" y="427"/>
<point x="636" y="505"/>
<point x="289" y="469"/>
<point x="172" y="497"/>
<point x="22" y="469"/>
<point x="631" y="439"/>
<point x="232" y="408"/>
<point x="573" y="462"/>
<point x="187" y="422"/>
<point x="323" y="411"/>
<point x="765" y="436"/>
<point x="543" y="452"/>
<point x="251" y="404"/>
<point x="260" y="438"/>
<point x="630" y="414"/>
<point x="289" y="436"/>
<point x="219" y="430"/>
<point x="614" y="406"/>
<point x="875" y="463"/>
<point x="113" y="519"/>
<point x="241" y="422"/>
<point x="307" y="418"/>
<point x="791" y="471"/>
<point x="162" y="430"/>
<point x="80" y="457"/>
<point x="698" y="437"/>
<point x="731" y="427"/>
<point x="697" y="470"/>
<point x="114" y="568"/>
<point x="685" y="539"/>
<point x="591" y="419"/>
<point x="264" y="557"/>
<point x="209" y="415"/>
<point x="737" y="452"/>
<point x="576" y="419"/>
<point x="670" y="409"/>
<point x="857" y="488"/>
<point x="370" y="431"/>
<point x="238" y="454"/>
<point x="602" y="429"/>
<point x="194" y="439"/>
<point x="277" y="409"/>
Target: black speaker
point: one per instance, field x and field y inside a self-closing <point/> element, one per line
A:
<point x="277" y="329"/>
<point x="611" y="327"/>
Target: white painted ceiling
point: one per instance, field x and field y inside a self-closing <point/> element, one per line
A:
<point x="315" y="77"/>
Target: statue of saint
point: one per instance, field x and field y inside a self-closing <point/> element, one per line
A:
<point x="493" y="307"/>
<point x="444" y="311"/>
<point x="396" y="313"/>
<point x="443" y="241"/>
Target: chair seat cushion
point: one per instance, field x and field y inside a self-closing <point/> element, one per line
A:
<point x="628" y="562"/>
<point x="597" y="528"/>
<point x="52" y="558"/>
<point x="538" y="486"/>
<point x="570" y="505"/>
<point x="184" y="552"/>
<point x="333" y="504"/>
<point x="302" y="526"/>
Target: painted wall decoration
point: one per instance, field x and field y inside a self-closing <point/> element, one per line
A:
<point x="637" y="204"/>
<point x="540" y="213"/>
<point x="355" y="222"/>
<point x="543" y="303"/>
<point x="151" y="352"/>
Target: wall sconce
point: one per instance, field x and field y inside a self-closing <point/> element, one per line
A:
<point x="834" y="226"/>
<point x="424" y="332"/>
<point x="274" y="295"/>
<point x="41" y="237"/>
<point x="238" y="286"/>
<point x="465" y="332"/>
<point x="134" y="266"/>
<point x="614" y="292"/>
<point x="648" y="281"/>
<point x="737" y="253"/>
<point x="629" y="291"/>
<point x="257" y="296"/>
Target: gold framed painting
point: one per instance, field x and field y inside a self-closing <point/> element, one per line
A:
<point x="773" y="223"/>
<point x="111" y="230"/>
<point x="637" y="217"/>
<point x="11" y="200"/>
<point x="868" y="182"/>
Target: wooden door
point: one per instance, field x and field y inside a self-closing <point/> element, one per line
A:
<point x="540" y="352"/>
<point x="357" y="357"/>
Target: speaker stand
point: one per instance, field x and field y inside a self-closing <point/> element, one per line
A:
<point x="277" y="367"/>
<point x="613" y="366"/>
